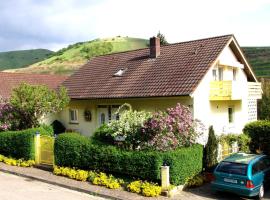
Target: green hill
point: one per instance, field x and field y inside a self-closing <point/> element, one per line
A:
<point x="259" y="58"/>
<point x="67" y="60"/>
<point x="19" y="59"/>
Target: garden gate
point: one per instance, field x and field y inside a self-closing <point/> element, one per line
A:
<point x="44" y="150"/>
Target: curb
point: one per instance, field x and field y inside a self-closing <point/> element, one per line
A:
<point x="61" y="185"/>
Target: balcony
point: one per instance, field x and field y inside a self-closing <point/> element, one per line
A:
<point x="220" y="90"/>
<point x="232" y="90"/>
<point x="254" y="90"/>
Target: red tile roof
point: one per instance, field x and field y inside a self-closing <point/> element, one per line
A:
<point x="8" y="81"/>
<point x="177" y="71"/>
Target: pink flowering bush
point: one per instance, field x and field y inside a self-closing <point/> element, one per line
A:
<point x="171" y="129"/>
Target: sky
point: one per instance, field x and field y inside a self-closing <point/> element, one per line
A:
<point x="54" y="24"/>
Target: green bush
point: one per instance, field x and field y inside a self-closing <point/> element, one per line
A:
<point x="18" y="144"/>
<point x="74" y="150"/>
<point x="242" y="140"/>
<point x="259" y="132"/>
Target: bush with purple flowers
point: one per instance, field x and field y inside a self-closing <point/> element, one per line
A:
<point x="171" y="129"/>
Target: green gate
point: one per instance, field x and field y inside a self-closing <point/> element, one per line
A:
<point x="44" y="150"/>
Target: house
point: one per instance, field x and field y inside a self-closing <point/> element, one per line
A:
<point x="211" y="76"/>
<point x="8" y="81"/>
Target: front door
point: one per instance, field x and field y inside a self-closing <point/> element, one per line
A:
<point x="103" y="115"/>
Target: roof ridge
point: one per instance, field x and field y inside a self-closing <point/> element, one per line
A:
<point x="166" y="45"/>
<point x="21" y="73"/>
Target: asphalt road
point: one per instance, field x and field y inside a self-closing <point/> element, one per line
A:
<point x="15" y="187"/>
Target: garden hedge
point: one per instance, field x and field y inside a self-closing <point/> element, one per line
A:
<point x="74" y="150"/>
<point x="259" y="132"/>
<point x="20" y="144"/>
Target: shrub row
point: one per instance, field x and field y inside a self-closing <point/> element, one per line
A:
<point x="20" y="144"/>
<point x="74" y="150"/>
<point x="259" y="132"/>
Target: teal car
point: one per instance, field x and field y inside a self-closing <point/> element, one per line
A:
<point x="242" y="174"/>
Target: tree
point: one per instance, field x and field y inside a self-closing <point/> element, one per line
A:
<point x="210" y="151"/>
<point x="36" y="101"/>
<point x="162" y="38"/>
<point x="264" y="103"/>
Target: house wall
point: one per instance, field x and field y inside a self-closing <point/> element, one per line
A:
<point x="216" y="112"/>
<point x="88" y="127"/>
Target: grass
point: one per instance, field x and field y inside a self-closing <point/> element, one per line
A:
<point x="19" y="59"/>
<point x="67" y="60"/>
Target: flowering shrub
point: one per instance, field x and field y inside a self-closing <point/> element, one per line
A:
<point x="171" y="129"/>
<point x="145" y="188"/>
<point x="19" y="162"/>
<point x="129" y="126"/>
<point x="5" y="116"/>
<point x="96" y="178"/>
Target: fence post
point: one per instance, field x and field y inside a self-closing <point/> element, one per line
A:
<point x="165" y="177"/>
<point x="37" y="148"/>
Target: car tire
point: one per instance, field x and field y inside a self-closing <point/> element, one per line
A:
<point x="261" y="192"/>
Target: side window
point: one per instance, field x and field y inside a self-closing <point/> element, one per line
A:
<point x="214" y="73"/>
<point x="255" y="168"/>
<point x="73" y="116"/>
<point x="102" y="118"/>
<point x="266" y="162"/>
<point x="234" y="74"/>
<point x="259" y="166"/>
<point x="231" y="114"/>
<point x="220" y="74"/>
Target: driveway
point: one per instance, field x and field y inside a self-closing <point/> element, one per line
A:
<point x="204" y="193"/>
<point x="16" y="187"/>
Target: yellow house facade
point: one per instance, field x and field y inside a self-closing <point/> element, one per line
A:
<point x="211" y="76"/>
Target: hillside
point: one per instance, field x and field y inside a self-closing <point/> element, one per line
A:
<point x="67" y="60"/>
<point x="259" y="58"/>
<point x="19" y="59"/>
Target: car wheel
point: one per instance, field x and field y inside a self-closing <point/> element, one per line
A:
<point x="261" y="192"/>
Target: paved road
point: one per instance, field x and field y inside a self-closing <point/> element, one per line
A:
<point x="15" y="187"/>
<point x="204" y="193"/>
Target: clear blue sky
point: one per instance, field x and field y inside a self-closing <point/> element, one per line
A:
<point x="53" y="24"/>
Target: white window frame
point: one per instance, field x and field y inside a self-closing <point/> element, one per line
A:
<point x="73" y="113"/>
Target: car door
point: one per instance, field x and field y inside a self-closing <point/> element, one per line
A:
<point x="258" y="173"/>
<point x="266" y="161"/>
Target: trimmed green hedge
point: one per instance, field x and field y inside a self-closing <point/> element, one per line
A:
<point x="20" y="144"/>
<point x="74" y="150"/>
<point x="259" y="132"/>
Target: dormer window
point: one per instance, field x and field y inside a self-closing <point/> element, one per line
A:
<point x="120" y="72"/>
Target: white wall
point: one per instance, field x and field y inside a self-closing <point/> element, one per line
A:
<point x="216" y="112"/>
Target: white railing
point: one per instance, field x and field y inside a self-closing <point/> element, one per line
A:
<point x="254" y="90"/>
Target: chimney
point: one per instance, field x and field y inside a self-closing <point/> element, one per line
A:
<point x="154" y="47"/>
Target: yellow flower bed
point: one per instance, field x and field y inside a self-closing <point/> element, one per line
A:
<point x="19" y="162"/>
<point x="145" y="188"/>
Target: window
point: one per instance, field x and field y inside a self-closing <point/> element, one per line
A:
<point x="232" y="168"/>
<point x="234" y="74"/>
<point x="214" y="73"/>
<point x="220" y="74"/>
<point x="258" y="166"/>
<point x="73" y="115"/>
<point x="231" y="114"/>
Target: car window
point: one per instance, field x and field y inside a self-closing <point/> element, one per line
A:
<point x="259" y="166"/>
<point x="266" y="162"/>
<point x="232" y="168"/>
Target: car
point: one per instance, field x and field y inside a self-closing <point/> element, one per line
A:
<point x="242" y="174"/>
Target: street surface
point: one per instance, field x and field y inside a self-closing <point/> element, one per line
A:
<point x="18" y="188"/>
